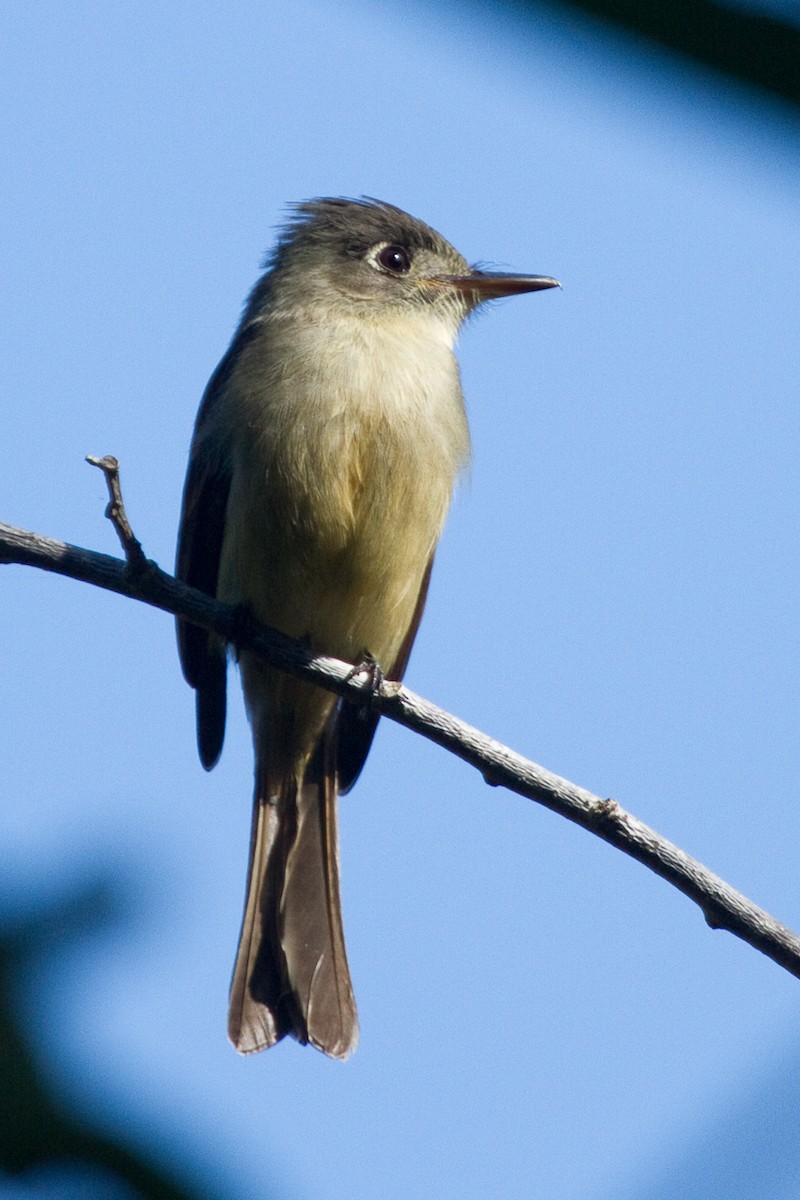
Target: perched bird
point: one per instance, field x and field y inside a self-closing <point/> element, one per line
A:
<point x="324" y="457"/>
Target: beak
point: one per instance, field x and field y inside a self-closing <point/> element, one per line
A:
<point x="491" y="285"/>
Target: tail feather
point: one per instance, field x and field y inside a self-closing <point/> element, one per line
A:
<point x="312" y="936"/>
<point x="256" y="1016"/>
<point x="291" y="973"/>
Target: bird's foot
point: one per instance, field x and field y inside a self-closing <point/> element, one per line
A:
<point x="371" y="669"/>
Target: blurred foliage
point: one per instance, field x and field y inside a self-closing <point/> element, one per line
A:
<point x="749" y="47"/>
<point x="37" y="1129"/>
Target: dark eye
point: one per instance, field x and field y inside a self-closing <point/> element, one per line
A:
<point x="395" y="259"/>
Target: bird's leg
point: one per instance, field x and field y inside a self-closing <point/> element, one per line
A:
<point x="369" y="667"/>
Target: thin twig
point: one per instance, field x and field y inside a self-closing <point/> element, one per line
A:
<point x="115" y="510"/>
<point x="722" y="905"/>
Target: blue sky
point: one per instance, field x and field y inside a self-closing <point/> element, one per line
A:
<point x="615" y="596"/>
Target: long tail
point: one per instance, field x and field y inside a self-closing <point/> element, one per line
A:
<point x="291" y="974"/>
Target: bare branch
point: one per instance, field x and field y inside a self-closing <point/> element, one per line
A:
<point x="722" y="905"/>
<point x="115" y="509"/>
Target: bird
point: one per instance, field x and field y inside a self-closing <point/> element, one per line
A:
<point x="324" y="456"/>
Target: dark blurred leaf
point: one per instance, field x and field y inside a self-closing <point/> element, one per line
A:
<point x="35" y="1129"/>
<point x="748" y="47"/>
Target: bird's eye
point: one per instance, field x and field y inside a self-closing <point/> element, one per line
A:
<point x="395" y="259"/>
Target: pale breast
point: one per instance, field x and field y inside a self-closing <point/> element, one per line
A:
<point x="343" y="478"/>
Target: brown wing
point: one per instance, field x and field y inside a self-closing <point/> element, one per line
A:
<point x="202" y="528"/>
<point x="357" y="725"/>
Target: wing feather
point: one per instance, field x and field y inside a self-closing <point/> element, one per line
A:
<point x="200" y="538"/>
<point x="356" y="725"/>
